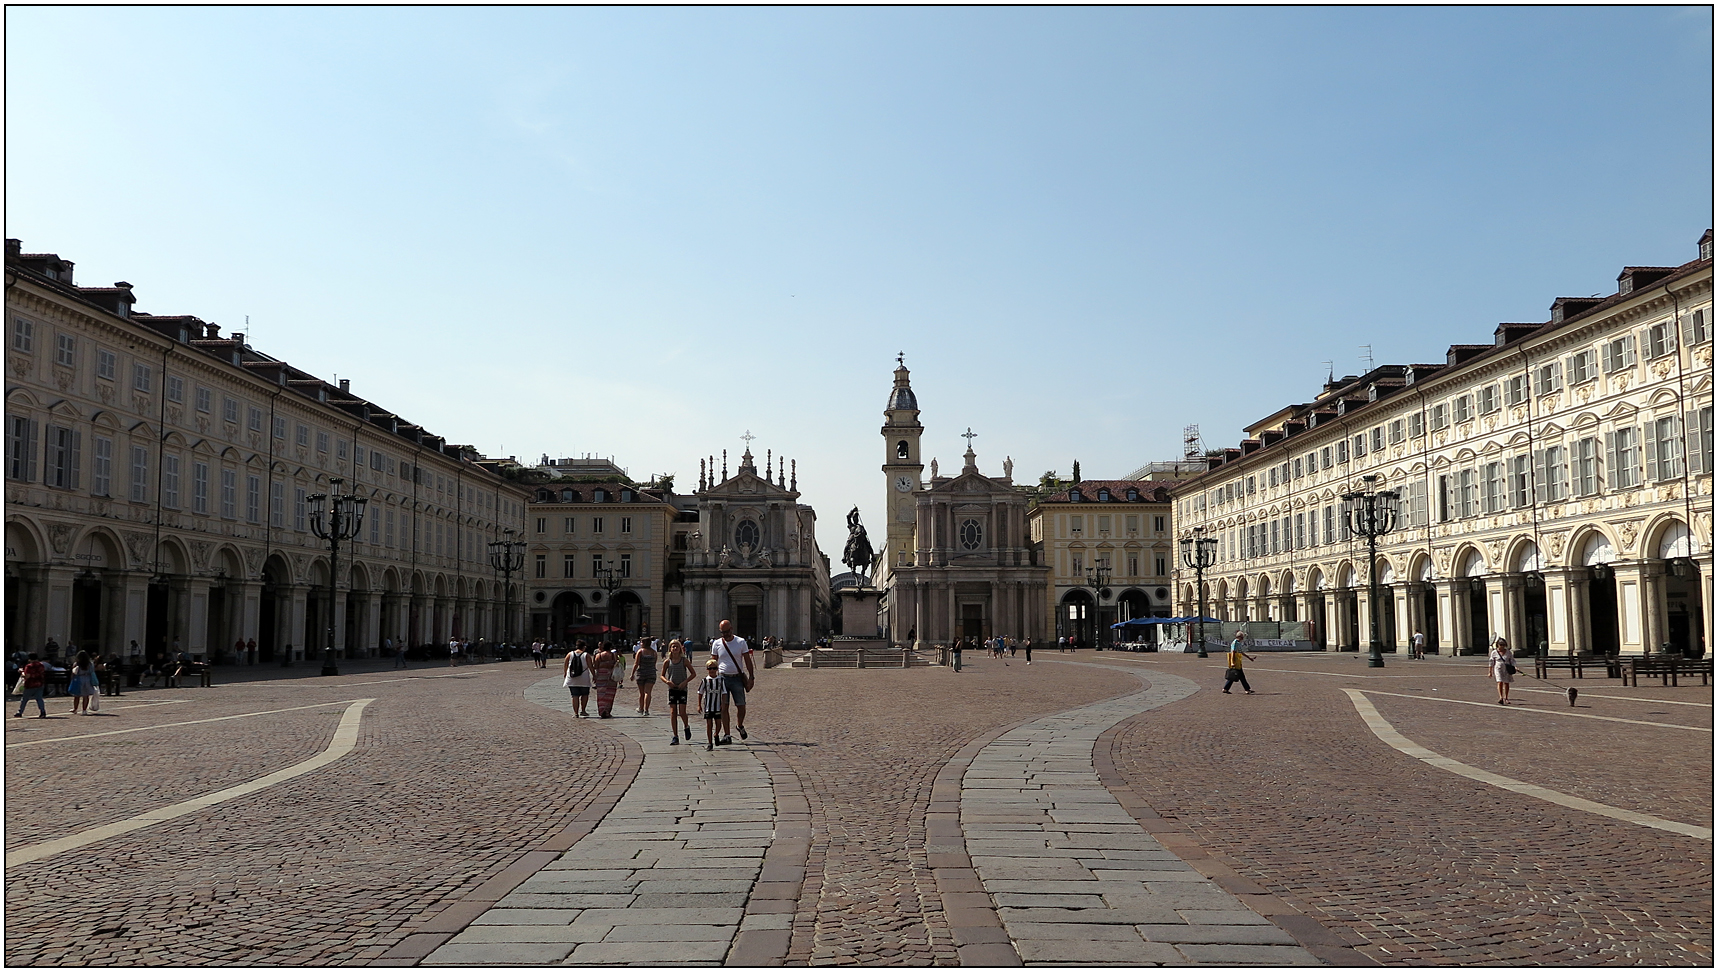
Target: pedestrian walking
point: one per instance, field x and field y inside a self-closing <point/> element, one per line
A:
<point x="1027" y="647"/>
<point x="400" y="655"/>
<point x="537" y="660"/>
<point x="710" y="702"/>
<point x="730" y="651"/>
<point x="960" y="643"/>
<point x="576" y="676"/>
<point x="603" y="679"/>
<point x="1502" y="664"/>
<point x="82" y="685"/>
<point x="1417" y="646"/>
<point x="32" y="682"/>
<point x="645" y="674"/>
<point x="453" y="653"/>
<point x="1234" y="672"/>
<point x="677" y="673"/>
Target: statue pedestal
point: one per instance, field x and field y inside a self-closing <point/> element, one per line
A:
<point x="859" y="611"/>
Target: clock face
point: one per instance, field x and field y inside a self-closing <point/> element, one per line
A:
<point x="904" y="483"/>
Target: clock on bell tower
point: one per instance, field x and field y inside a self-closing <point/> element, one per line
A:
<point x="901" y="465"/>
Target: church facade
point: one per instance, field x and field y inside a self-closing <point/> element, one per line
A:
<point x="957" y="558"/>
<point x="754" y="558"/>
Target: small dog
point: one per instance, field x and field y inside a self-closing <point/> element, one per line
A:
<point x="1571" y="692"/>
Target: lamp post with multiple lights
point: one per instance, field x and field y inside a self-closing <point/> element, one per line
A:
<point x="507" y="556"/>
<point x="335" y="517"/>
<point x="1372" y="514"/>
<point x="1199" y="552"/>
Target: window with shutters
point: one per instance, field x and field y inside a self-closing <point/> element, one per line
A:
<point x="67" y="351"/>
<point x="139" y="473"/>
<point x="1553" y="481"/>
<point x="170" y="481"/>
<point x="23" y="335"/>
<point x="1417" y="425"/>
<point x="101" y="467"/>
<point x="141" y="376"/>
<point x="1516" y="390"/>
<point x="1131" y="523"/>
<point x="1698" y="427"/>
<point x="1581" y="367"/>
<point x="277" y="505"/>
<point x="1492" y="488"/>
<point x="1585" y="467"/>
<point x="230" y="410"/>
<point x="1325" y="458"/>
<point x="229" y="494"/>
<point x="1659" y="340"/>
<point x="1440" y="415"/>
<point x="388" y="528"/>
<point x="1378" y="438"/>
<point x="1446" y="503"/>
<point x="1417" y="503"/>
<point x="1618" y="354"/>
<point x="60" y="463"/>
<point x="1519" y="477"/>
<point x="175" y="389"/>
<point x="1462" y="408"/>
<point x="1250" y="486"/>
<point x="1312" y="463"/>
<point x="255" y="419"/>
<point x="321" y="442"/>
<point x="199" y="487"/>
<point x="280" y="427"/>
<point x="1342" y="450"/>
<point x="1360" y="445"/>
<point x="375" y="526"/>
<point x="1665" y="451"/>
<point x="1276" y="546"/>
<point x="205" y="400"/>
<point x="300" y="515"/>
<point x="1486" y="400"/>
<point x="357" y="458"/>
<point x="1548" y="378"/>
<point x="1623" y="459"/>
<point x="1698" y="326"/>
<point x="302" y="435"/>
<point x="253" y="498"/>
<point x="1271" y="477"/>
<point x="1467" y="494"/>
<point x="1330" y="525"/>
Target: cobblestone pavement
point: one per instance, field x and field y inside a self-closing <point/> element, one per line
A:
<point x="1420" y="867"/>
<point x="455" y="775"/>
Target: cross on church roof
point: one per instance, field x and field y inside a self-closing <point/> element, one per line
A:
<point x="969" y="436"/>
<point x="748" y="437"/>
<point x="901" y="358"/>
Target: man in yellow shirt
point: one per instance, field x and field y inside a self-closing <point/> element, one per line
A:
<point x="1234" y="673"/>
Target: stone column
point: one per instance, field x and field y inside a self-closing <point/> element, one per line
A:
<point x="197" y="640"/>
<point x="58" y="581"/>
<point x="1452" y="612"/>
<point x="1558" y="604"/>
<point x="1631" y="608"/>
<point x="778" y="596"/>
<point x="292" y="620"/>
<point x="1653" y="604"/>
<point x="921" y="618"/>
<point x="1514" y="624"/>
<point x="1581" y="627"/>
<point x="370" y="624"/>
<point x="691" y="612"/>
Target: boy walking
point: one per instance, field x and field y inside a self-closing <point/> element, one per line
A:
<point x="710" y="702"/>
<point x="1234" y="673"/>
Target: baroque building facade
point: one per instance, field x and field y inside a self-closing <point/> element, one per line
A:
<point x="1113" y="532"/>
<point x="957" y="558"/>
<point x="157" y="476"/>
<point x="1556" y="485"/>
<point x="600" y="554"/>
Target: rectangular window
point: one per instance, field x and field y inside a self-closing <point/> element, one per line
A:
<point x="60" y="464"/>
<point x="23" y="335"/>
<point x="1446" y="499"/>
<point x="1552" y="484"/>
<point x="340" y="449"/>
<point x="379" y="461"/>
<point x="1360" y="446"/>
<point x="1581" y="367"/>
<point x="280" y="427"/>
<point x="1698" y="327"/>
<point x="1325" y="458"/>
<point x="277" y="505"/>
<point x="567" y="565"/>
<point x="626" y="565"/>
<point x="303" y="436"/>
<point x="1623" y="460"/>
<point x="542" y="565"/>
<point x="1440" y="415"/>
<point x="170" y="481"/>
<point x="1698" y="427"/>
<point x="1330" y="530"/>
<point x="1312" y="463"/>
<point x="1519" y="476"/>
<point x="1272" y="477"/>
<point x="230" y="410"/>
<point x="204" y="400"/>
<point x="1486" y="400"/>
<point x="107" y="364"/>
<point x="1417" y="425"/>
<point x="1467" y="494"/>
<point x="67" y="352"/>
<point x="253" y="498"/>
<point x="101" y="468"/>
<point x="1076" y="563"/>
<point x="1548" y="378"/>
<point x="1492" y="493"/>
<point x="543" y="525"/>
<point x="596" y="565"/>
<point x="1158" y="524"/>
<point x="1396" y="431"/>
<point x="229" y="495"/>
<point x="255" y="422"/>
<point x="1585" y="467"/>
<point x="300" y="511"/>
<point x="1665" y="450"/>
<point x="1516" y="390"/>
<point x="141" y="376"/>
<point x="139" y="473"/>
<point x="1659" y="340"/>
<point x="1103" y="524"/>
<point x="175" y="389"/>
<point x="388" y="528"/>
<point x="1378" y="438"/>
<point x="567" y="525"/>
<point x="626" y="525"/>
<point x="1343" y="451"/>
<point x="357" y="458"/>
<point x="1462" y="408"/>
<point x="321" y="442"/>
<point x="1250" y="485"/>
<point x="1417" y="500"/>
<point x="597" y="525"/>
<point x="375" y="528"/>
<point x="199" y="487"/>
<point x="1617" y="354"/>
<point x="1276" y="541"/>
<point x="1131" y="523"/>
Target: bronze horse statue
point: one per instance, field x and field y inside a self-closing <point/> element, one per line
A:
<point x="858" y="555"/>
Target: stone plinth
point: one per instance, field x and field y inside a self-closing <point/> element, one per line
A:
<point x="859" y="611"/>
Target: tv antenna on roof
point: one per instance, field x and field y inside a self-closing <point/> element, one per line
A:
<point x="1367" y="355"/>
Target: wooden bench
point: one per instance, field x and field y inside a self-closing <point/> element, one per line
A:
<point x="1667" y="668"/>
<point x="188" y="669"/>
<point x="1577" y="664"/>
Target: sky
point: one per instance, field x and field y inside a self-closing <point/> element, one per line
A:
<point x="639" y="233"/>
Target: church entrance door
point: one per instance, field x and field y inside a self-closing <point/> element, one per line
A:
<point x="973" y="621"/>
<point x="746" y="622"/>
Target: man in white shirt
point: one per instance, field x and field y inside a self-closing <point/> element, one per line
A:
<point x="730" y="653"/>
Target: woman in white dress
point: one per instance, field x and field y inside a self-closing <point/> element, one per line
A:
<point x="1502" y="662"/>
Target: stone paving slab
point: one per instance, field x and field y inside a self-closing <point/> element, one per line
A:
<point x="1040" y="829"/>
<point x="676" y="860"/>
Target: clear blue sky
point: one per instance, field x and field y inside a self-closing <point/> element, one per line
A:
<point x="641" y="232"/>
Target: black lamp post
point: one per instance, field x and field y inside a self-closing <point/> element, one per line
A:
<point x="1096" y="579"/>
<point x="335" y="517"/>
<point x="610" y="582"/>
<point x="1372" y="514"/>
<point x="507" y="556"/>
<point x="1199" y="552"/>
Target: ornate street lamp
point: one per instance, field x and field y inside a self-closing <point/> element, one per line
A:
<point x="335" y="517"/>
<point x="610" y="582"/>
<point x="1372" y="514"/>
<point x="1199" y="552"/>
<point x="1096" y="579"/>
<point x="507" y="556"/>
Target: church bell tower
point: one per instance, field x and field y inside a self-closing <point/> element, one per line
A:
<point x="901" y="464"/>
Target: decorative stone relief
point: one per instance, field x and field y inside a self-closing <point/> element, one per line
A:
<point x="60" y="537"/>
<point x="63" y="379"/>
<point x="1554" y="541"/>
<point x="253" y="561"/>
<point x="1627" y="532"/>
<point x="200" y="553"/>
<point x="1444" y="557"/>
<point x="20" y="365"/>
<point x="203" y="425"/>
<point x="175" y="415"/>
<point x="104" y="392"/>
<point x="137" y="545"/>
<point x="1495" y="552"/>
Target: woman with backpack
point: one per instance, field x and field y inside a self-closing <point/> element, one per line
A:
<point x="576" y="676"/>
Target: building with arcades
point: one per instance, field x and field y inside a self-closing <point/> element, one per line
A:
<point x="157" y="476"/>
<point x="1556" y="487"/>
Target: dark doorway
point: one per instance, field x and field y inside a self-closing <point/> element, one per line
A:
<point x="973" y="621"/>
<point x="354" y="615"/>
<point x="1684" y="623"/>
<point x="1429" y="617"/>
<point x="1076" y="618"/>
<point x="215" y="626"/>
<point x="1349" y="609"/>
<point x="1534" y="620"/>
<point x="1479" y="627"/>
<point x="86" y="615"/>
<point x="1603" y="611"/>
<point x="267" y="624"/>
<point x="155" y="639"/>
<point x="746" y="622"/>
<point x="1316" y="613"/>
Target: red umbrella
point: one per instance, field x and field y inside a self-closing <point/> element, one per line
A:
<point x="595" y="629"/>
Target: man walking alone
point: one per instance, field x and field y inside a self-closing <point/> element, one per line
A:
<point x="1234" y="673"/>
<point x="730" y="651"/>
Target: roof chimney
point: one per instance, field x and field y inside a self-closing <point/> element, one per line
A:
<point x="346" y="386"/>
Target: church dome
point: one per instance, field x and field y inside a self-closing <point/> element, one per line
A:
<point x="902" y="398"/>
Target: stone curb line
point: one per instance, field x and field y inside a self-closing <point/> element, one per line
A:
<point x="453" y="920"/>
<point x="777" y="891"/>
<point x="1323" y="942"/>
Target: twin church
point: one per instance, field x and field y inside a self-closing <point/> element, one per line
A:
<point x="957" y="559"/>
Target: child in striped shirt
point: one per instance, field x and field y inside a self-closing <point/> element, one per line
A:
<point x="710" y="701"/>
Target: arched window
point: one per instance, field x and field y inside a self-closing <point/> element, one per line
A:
<point x="1133" y="494"/>
<point x="746" y="535"/>
<point x="1074" y="495"/>
<point x="901" y="450"/>
<point x="1103" y="495"/>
